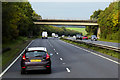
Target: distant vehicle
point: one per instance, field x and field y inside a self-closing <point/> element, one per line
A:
<point x="85" y="37"/>
<point x="79" y="36"/>
<point x="63" y="35"/>
<point x="44" y="35"/>
<point x="53" y="34"/>
<point x="69" y="36"/>
<point x="35" y="58"/>
<point x="56" y="35"/>
<point x="93" y="38"/>
<point x="74" y="36"/>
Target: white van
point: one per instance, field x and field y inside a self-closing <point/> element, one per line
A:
<point x="53" y="34"/>
<point x="44" y="35"/>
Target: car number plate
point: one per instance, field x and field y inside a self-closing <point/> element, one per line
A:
<point x="37" y="60"/>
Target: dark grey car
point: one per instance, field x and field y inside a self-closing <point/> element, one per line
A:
<point x="35" y="59"/>
<point x="79" y="36"/>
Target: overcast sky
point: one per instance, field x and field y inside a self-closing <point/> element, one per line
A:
<point x="68" y="10"/>
<point x="70" y="0"/>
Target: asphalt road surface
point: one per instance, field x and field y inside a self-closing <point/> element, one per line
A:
<point x="67" y="62"/>
<point x="100" y="42"/>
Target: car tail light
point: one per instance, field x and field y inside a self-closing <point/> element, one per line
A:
<point x="47" y="56"/>
<point x="23" y="57"/>
<point x="47" y="66"/>
<point x="23" y="67"/>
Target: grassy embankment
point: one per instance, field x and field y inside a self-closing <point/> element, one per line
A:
<point x="16" y="47"/>
<point x="104" y="51"/>
<point x="78" y="29"/>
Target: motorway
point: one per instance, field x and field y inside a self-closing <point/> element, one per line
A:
<point x="68" y="61"/>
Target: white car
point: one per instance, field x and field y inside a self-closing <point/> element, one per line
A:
<point x="53" y="34"/>
<point x="63" y="35"/>
<point x="56" y="35"/>
<point x="74" y="36"/>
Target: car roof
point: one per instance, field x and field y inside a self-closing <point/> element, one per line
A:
<point x="37" y="48"/>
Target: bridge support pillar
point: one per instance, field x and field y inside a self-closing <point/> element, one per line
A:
<point x="98" y="33"/>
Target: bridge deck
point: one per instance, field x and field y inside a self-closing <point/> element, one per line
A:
<point x="66" y="22"/>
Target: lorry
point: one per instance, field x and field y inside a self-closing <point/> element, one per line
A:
<point x="44" y="35"/>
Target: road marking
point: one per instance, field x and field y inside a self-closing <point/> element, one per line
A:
<point x="56" y="53"/>
<point x="94" y="53"/>
<point x="61" y="59"/>
<point x="14" y="61"/>
<point x="68" y="70"/>
<point x="63" y="63"/>
<point x="54" y="49"/>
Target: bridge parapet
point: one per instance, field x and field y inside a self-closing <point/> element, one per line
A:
<point x="62" y="20"/>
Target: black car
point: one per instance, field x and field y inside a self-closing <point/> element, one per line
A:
<point x="93" y="38"/>
<point x="79" y="36"/>
<point x="35" y="58"/>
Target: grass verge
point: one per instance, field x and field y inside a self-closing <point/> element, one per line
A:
<point x="16" y="47"/>
<point x="101" y="50"/>
<point x="78" y="29"/>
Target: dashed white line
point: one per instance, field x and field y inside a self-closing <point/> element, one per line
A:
<point x="56" y="53"/>
<point x="50" y="43"/>
<point x="54" y="49"/>
<point x="61" y="59"/>
<point x="63" y="63"/>
<point x="68" y="70"/>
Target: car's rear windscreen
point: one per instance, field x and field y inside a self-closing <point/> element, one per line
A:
<point x="35" y="54"/>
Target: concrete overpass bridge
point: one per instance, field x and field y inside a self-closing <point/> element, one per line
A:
<point x="68" y="22"/>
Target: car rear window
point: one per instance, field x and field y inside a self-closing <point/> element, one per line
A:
<point x="35" y="54"/>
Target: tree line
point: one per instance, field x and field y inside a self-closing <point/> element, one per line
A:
<point x="18" y="18"/>
<point x="58" y="30"/>
<point x="108" y="21"/>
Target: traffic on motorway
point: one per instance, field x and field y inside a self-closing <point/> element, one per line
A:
<point x="67" y="61"/>
<point x="60" y="59"/>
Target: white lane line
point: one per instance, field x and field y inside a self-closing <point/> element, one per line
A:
<point x="50" y="43"/>
<point x="94" y="53"/>
<point x="54" y="49"/>
<point x="56" y="53"/>
<point x="14" y="60"/>
<point x="68" y="70"/>
<point x="61" y="59"/>
<point x="63" y="63"/>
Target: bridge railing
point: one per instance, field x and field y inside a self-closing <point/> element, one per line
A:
<point x="63" y="20"/>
